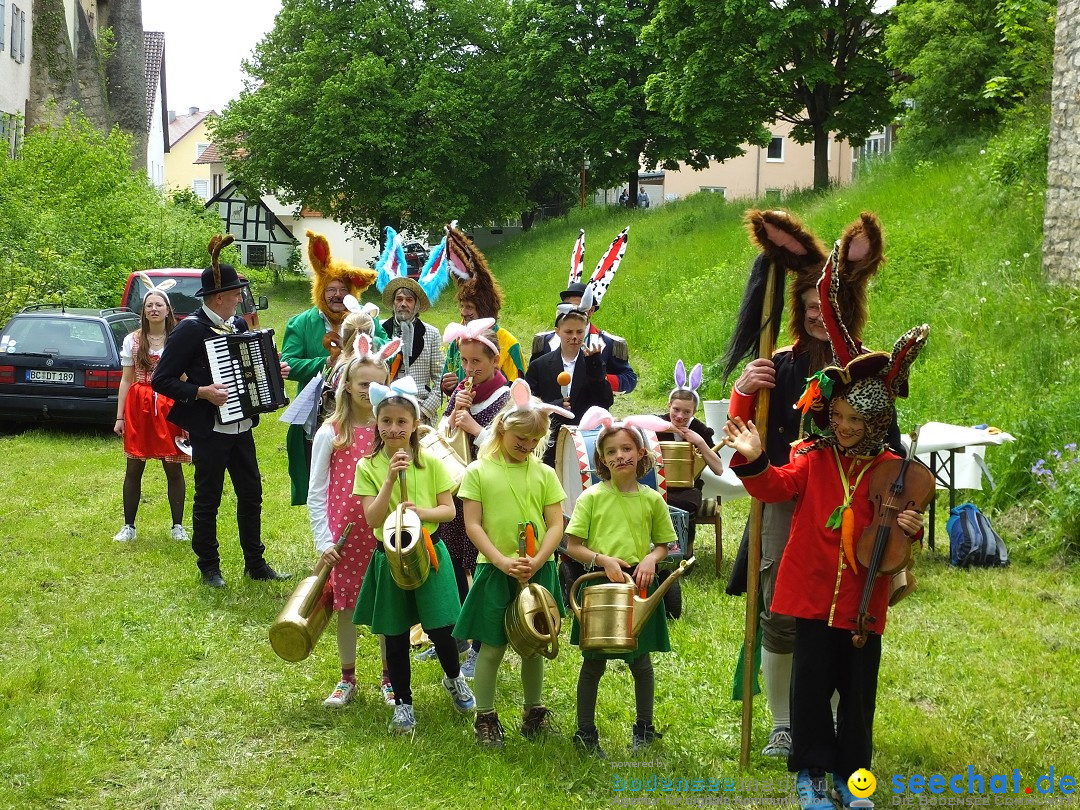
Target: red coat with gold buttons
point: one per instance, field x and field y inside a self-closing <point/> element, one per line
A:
<point x="815" y="581"/>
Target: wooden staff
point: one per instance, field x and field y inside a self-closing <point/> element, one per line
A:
<point x="766" y="345"/>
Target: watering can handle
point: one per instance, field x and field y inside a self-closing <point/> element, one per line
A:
<point x="553" y="646"/>
<point x="574" y="605"/>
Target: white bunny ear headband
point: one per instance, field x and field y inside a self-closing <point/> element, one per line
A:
<point x="691" y="385"/>
<point x="354" y="306"/>
<point x="363" y="348"/>
<point x="521" y="396"/>
<point x="161" y="289"/>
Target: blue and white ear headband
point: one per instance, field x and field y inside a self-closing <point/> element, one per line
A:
<point x="681" y="383"/>
<point x="404" y="388"/>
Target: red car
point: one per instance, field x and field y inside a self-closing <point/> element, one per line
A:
<point x="182" y="296"/>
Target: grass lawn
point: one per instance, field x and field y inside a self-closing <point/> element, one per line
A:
<point x="126" y="684"/>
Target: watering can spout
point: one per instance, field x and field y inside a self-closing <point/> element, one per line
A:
<point x="643" y="608"/>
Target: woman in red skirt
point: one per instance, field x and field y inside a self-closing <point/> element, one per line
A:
<point x="141" y="416"/>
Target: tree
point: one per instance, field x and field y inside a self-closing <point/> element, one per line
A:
<point x="580" y="68"/>
<point x="379" y="112"/>
<point x="964" y="63"/>
<point x="816" y="64"/>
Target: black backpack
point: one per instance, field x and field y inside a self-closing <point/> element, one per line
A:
<point x="972" y="540"/>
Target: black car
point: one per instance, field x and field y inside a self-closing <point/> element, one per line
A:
<point x="416" y="256"/>
<point x="62" y="364"/>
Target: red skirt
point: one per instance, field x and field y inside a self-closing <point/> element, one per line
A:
<point x="147" y="432"/>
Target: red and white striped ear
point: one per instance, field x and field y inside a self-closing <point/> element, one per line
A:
<point x="843" y="346"/>
<point x="577" y="259"/>
<point x="608" y="266"/>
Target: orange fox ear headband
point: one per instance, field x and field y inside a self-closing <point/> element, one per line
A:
<point x="326" y="269"/>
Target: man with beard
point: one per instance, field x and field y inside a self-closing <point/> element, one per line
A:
<point x="421" y="355"/>
<point x="305" y="345"/>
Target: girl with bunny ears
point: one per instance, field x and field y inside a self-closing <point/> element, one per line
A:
<point x="621" y="526"/>
<point x="141" y="413"/>
<point x="382" y="605"/>
<point x="512" y="504"/>
<point x="683" y="404"/>
<point x="345" y="438"/>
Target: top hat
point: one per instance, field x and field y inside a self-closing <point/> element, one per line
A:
<point x="574" y="289"/>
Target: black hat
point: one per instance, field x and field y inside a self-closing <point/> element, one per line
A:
<point x="574" y="289"/>
<point x="219" y="277"/>
<point x="229" y="281"/>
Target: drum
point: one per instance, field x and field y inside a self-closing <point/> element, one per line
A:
<point x="434" y="443"/>
<point x="574" y="463"/>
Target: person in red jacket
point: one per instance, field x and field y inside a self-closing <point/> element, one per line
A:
<point x="819" y="584"/>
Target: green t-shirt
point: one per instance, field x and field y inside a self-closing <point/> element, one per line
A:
<point x="499" y="485"/>
<point x="621" y="524"/>
<point x="423" y="483"/>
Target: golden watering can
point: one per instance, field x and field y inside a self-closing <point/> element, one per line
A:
<point x="532" y="622"/>
<point x="403" y="542"/>
<point x="297" y="629"/>
<point x="683" y="463"/>
<point x="612" y="615"/>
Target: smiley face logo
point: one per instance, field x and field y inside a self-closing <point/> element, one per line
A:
<point x="862" y="783"/>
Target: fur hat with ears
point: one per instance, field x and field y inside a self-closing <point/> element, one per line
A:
<point x="469" y="267"/>
<point x="326" y="269"/>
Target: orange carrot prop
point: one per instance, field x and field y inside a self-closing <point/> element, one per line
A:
<point x="431" y="551"/>
<point x="530" y="540"/>
<point x="847" y="536"/>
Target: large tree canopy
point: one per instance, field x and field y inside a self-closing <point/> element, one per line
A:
<point x="816" y="64"/>
<point x="380" y="112"/>
<point x="963" y="63"/>
<point x="582" y="66"/>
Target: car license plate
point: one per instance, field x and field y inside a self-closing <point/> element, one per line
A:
<point x="43" y="375"/>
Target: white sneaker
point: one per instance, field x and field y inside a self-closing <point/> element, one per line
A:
<point x="459" y="690"/>
<point x="125" y="535"/>
<point x="341" y="695"/>
<point x="179" y="534"/>
<point x="404" y="721"/>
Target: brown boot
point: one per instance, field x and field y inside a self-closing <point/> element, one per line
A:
<point x="489" y="731"/>
<point x="536" y="719"/>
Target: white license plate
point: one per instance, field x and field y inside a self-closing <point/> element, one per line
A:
<point x="42" y="375"/>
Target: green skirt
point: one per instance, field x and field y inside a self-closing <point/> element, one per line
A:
<point x="491" y="594"/>
<point x="391" y="611"/>
<point x="653" y="636"/>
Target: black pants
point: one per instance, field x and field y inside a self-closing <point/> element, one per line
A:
<point x="399" y="667"/>
<point x="826" y="660"/>
<point x="212" y="456"/>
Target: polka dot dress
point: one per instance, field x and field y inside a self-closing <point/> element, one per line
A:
<point x="341" y="508"/>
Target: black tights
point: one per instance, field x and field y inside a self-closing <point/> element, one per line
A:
<point x="592" y="670"/>
<point x="399" y="666"/>
<point x="174" y="476"/>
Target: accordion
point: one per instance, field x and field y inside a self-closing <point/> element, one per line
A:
<point x="247" y="364"/>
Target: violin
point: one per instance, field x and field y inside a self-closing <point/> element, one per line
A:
<point x="896" y="485"/>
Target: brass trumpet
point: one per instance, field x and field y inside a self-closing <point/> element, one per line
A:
<point x="297" y="629"/>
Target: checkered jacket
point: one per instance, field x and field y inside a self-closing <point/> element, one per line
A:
<point x="425" y="366"/>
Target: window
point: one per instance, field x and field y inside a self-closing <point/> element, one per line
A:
<point x="774" y="195"/>
<point x="11" y="134"/>
<point x="201" y="188"/>
<point x="3" y="19"/>
<point x="217" y="183"/>
<point x="828" y="150"/>
<point x="200" y="148"/>
<point x="776" y="151"/>
<point x="721" y="190"/>
<point x="18" y="33"/>
<point x="256" y="256"/>
<point x="22" y="36"/>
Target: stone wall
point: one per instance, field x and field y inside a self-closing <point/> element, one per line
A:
<point x="1061" y="226"/>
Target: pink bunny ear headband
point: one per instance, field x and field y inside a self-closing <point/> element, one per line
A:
<point x="521" y="396"/>
<point x="473" y="330"/>
<point x="160" y="289"/>
<point x="601" y="418"/>
<point x="681" y="383"/>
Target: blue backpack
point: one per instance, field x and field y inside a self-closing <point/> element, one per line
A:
<point x="972" y="540"/>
